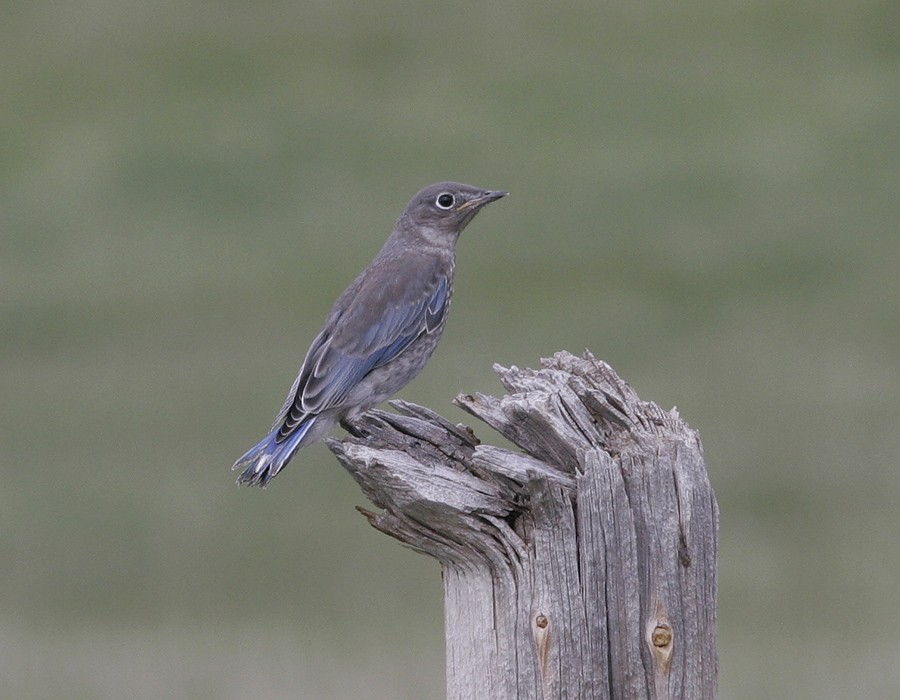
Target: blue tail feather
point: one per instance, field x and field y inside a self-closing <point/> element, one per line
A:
<point x="268" y="457"/>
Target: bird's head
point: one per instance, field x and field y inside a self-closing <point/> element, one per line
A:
<point x="447" y="207"/>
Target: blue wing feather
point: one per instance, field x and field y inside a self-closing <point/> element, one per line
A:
<point x="330" y="372"/>
<point x="437" y="306"/>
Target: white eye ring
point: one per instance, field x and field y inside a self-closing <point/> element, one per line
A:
<point x="445" y="200"/>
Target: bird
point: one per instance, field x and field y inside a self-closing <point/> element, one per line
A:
<point x="379" y="333"/>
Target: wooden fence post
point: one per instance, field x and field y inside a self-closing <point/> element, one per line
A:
<point x="583" y="566"/>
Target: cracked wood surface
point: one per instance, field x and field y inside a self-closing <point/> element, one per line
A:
<point x="583" y="566"/>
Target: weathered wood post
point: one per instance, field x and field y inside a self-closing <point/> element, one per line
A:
<point x="584" y="567"/>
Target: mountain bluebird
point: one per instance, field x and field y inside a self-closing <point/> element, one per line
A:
<point x="380" y="332"/>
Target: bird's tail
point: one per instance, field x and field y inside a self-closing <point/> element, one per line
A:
<point x="268" y="457"/>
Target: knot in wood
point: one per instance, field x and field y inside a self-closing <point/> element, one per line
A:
<point x="661" y="636"/>
<point x="541" y="621"/>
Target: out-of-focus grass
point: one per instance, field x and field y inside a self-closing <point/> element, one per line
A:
<point x="704" y="195"/>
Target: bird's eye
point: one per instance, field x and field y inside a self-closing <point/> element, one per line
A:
<point x="445" y="200"/>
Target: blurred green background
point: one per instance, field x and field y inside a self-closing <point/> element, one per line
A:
<point x="703" y="194"/>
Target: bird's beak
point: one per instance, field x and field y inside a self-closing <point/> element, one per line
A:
<point x="481" y="200"/>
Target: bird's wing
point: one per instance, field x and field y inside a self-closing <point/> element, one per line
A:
<point x="379" y="322"/>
